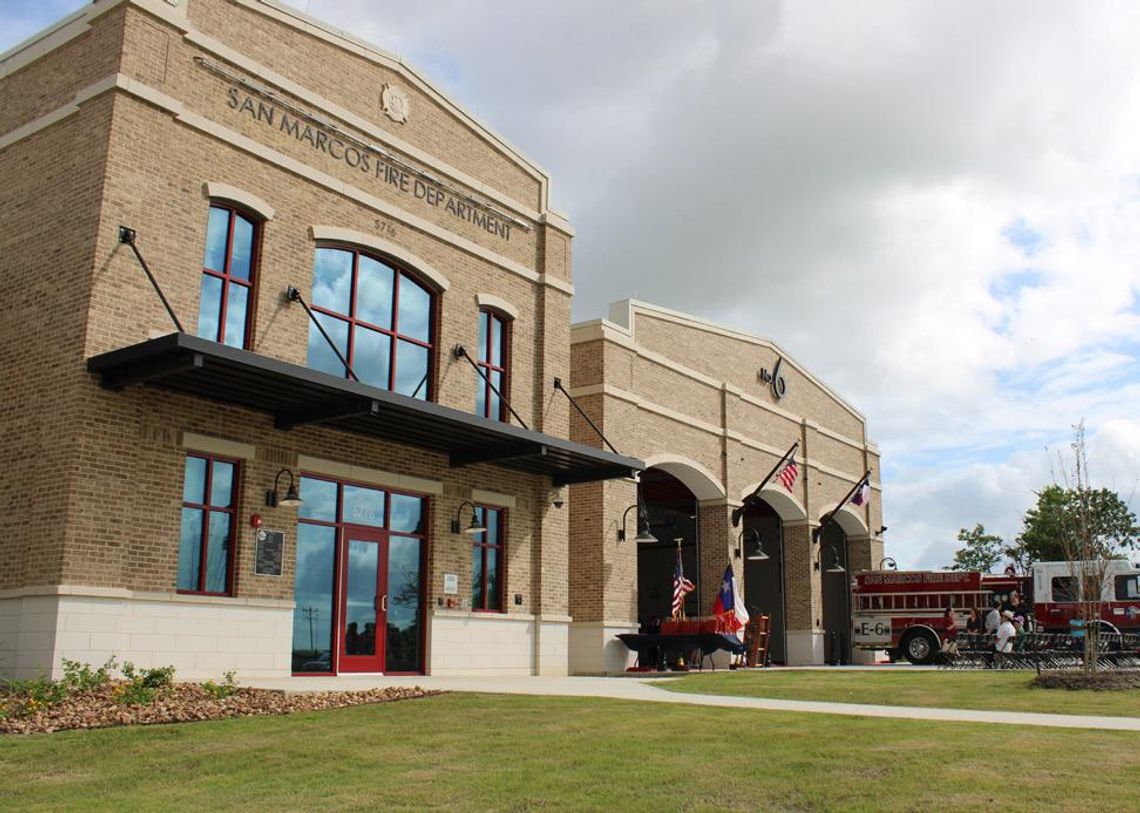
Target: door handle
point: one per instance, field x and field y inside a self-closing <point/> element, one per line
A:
<point x="384" y="603"/>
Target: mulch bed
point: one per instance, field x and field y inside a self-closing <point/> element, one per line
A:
<point x="1109" y="681"/>
<point x="183" y="703"/>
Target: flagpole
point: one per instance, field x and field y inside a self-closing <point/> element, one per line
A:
<point x="866" y="478"/>
<point x="737" y="513"/>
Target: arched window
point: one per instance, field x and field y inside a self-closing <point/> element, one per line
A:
<point x="229" y="270"/>
<point x="380" y="318"/>
<point x="494" y="361"/>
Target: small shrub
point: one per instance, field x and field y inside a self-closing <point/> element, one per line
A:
<point x="158" y="677"/>
<point x="31" y="695"/>
<point x="141" y="686"/>
<point x="221" y="691"/>
<point x="81" y="677"/>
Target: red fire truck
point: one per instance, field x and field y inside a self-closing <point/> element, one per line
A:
<point x="903" y="612"/>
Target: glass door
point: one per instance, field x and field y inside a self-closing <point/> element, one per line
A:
<point x="364" y="600"/>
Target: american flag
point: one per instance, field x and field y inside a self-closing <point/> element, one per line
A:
<point x="788" y="474"/>
<point x="681" y="587"/>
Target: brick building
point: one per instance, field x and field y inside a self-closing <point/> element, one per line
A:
<point x="712" y="411"/>
<point x="311" y="231"/>
<point x="254" y="152"/>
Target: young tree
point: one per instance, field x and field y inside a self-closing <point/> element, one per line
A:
<point x="1088" y="527"/>
<point x="979" y="551"/>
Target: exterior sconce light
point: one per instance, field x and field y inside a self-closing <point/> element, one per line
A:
<point x="834" y="566"/>
<point x="291" y="498"/>
<point x="644" y="537"/>
<point x="474" y="527"/>
<point x="757" y="554"/>
<point x="887" y="563"/>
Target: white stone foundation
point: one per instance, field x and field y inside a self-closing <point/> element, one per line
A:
<point x="200" y="636"/>
<point x="805" y="648"/>
<point x="468" y="643"/>
<point x="595" y="651"/>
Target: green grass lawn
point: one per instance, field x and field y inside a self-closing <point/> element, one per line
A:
<point x="493" y="752"/>
<point x="999" y="691"/>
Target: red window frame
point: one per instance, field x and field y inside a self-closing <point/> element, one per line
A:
<point x="393" y="333"/>
<point x="228" y="279"/>
<point x="483" y="543"/>
<point x="486" y="366"/>
<point x="207" y="509"/>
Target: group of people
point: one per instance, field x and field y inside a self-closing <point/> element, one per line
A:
<point x="1008" y="618"/>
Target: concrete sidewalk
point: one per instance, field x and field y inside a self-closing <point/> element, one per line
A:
<point x="625" y="688"/>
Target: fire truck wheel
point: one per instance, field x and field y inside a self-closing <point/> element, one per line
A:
<point x="919" y="647"/>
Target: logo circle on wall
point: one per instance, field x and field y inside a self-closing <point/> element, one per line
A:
<point x="395" y="103"/>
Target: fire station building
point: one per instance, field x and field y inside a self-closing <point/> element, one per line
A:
<point x="279" y="347"/>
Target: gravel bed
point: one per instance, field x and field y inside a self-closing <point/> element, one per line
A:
<point x="181" y="703"/>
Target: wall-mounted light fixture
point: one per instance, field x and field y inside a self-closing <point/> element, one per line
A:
<point x="474" y="527"/>
<point x="756" y="550"/>
<point x="881" y="530"/>
<point x="887" y="563"/>
<point x="291" y="498"/>
<point x="833" y="561"/>
<point x="644" y="537"/>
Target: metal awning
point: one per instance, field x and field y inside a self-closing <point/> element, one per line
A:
<point x="296" y="395"/>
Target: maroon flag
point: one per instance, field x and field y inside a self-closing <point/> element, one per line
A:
<point x="862" y="494"/>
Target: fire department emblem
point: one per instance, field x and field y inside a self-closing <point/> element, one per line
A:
<point x="395" y="103"/>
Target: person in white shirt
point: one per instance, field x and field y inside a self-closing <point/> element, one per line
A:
<point x="1006" y="632"/>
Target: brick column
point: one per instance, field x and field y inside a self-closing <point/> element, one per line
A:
<point x="717" y="543"/>
<point x="863" y="553"/>
<point x="803" y="595"/>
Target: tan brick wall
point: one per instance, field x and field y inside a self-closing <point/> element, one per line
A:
<point x="674" y="390"/>
<point x="46" y="84"/>
<point x="802" y="587"/>
<point x="51" y="186"/>
<point x="737" y="362"/>
<point x="95" y="477"/>
<point x="354" y="82"/>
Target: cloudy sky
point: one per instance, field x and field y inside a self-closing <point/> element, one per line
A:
<point x="935" y="206"/>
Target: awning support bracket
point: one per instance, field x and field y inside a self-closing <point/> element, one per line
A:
<point x="293" y="295"/>
<point x="460" y="352"/>
<point x="127" y="236"/>
<point x="558" y="386"/>
<point x="754" y="497"/>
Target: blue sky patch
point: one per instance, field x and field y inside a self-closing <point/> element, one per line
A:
<point x="1020" y="234"/>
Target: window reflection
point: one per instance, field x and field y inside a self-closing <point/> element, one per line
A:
<point x="487" y="561"/>
<point x="205" y="541"/>
<point x="492" y="363"/>
<point x="227" y="277"/>
<point x="383" y="321"/>
<point x="324" y="619"/>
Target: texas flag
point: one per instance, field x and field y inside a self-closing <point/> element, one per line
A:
<point x="729" y="606"/>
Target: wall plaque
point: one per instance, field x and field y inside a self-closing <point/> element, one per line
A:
<point x="451" y="583"/>
<point x="270" y="552"/>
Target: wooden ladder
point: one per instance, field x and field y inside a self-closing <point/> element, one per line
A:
<point x="756" y="640"/>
